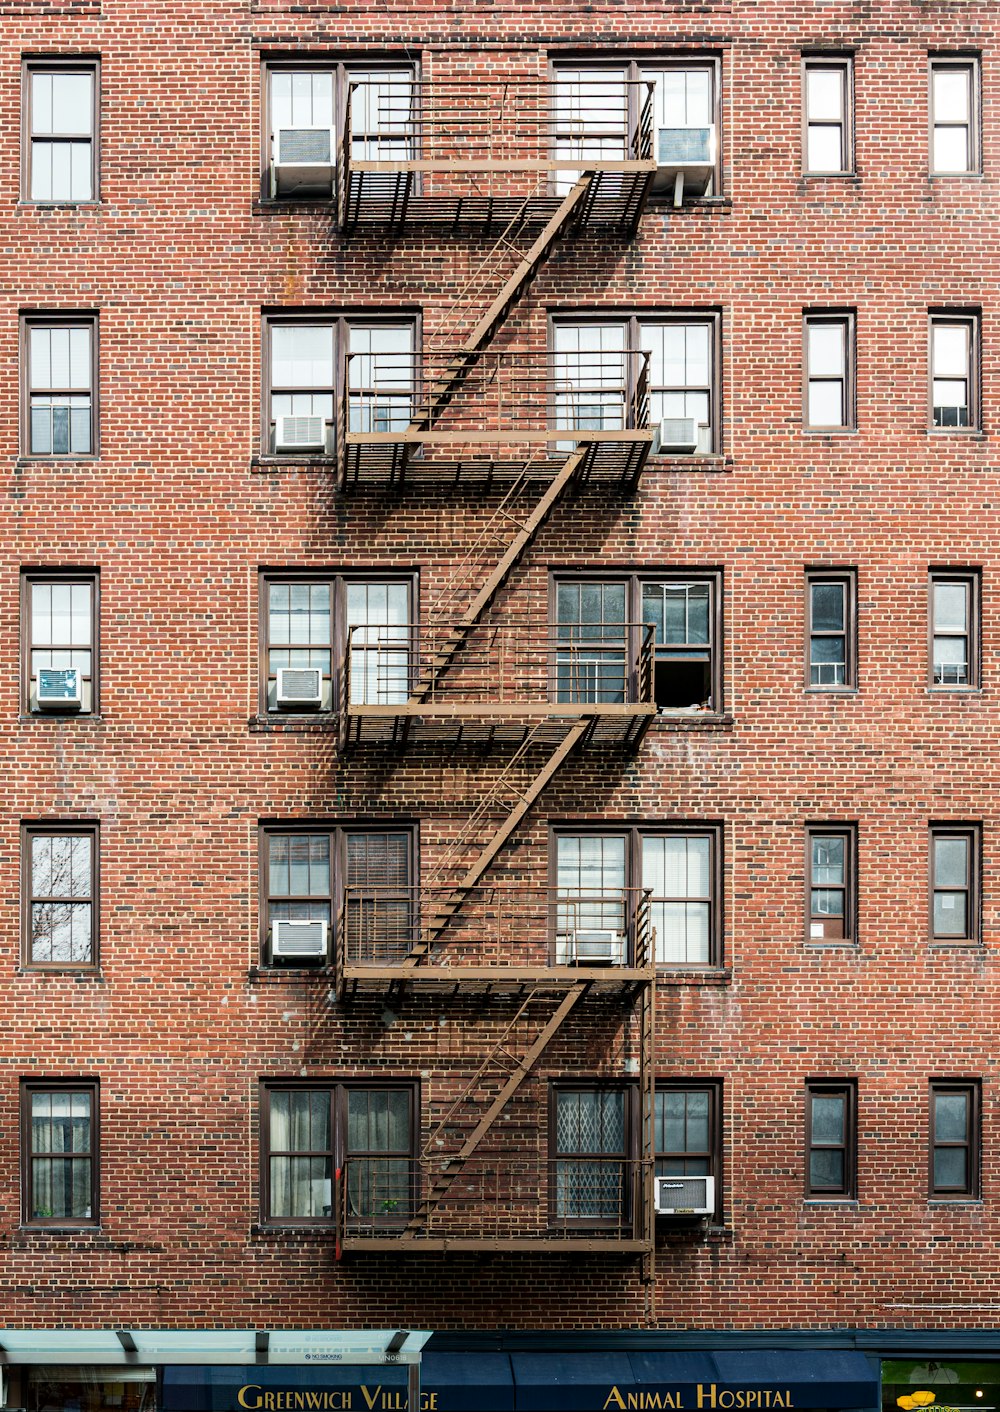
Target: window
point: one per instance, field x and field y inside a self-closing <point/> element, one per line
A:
<point x="59" y="1153"/>
<point x="60" y="131"/>
<point x="681" y="867"/>
<point x="830" y="861"/>
<point x="305" y="357"/>
<point x="596" y="650"/>
<point x="954" y="629"/>
<point x="954" y="358"/>
<point x="687" y="1129"/>
<point x="831" y="1131"/>
<point x="954" y="1154"/>
<point x="829" y="141"/>
<point x="954" y="115"/>
<point x="830" y="611"/>
<point x="598" y="106"/>
<point x="307" y="623"/>
<point x="303" y="108"/>
<point x="59" y="864"/>
<point x="362" y="877"/>
<point x="312" y="1132"/>
<point x="829" y="371"/>
<point x="591" y="1128"/>
<point x="592" y="371"/>
<point x="59" y="619"/>
<point x="59" y="361"/>
<point x="955" y="882"/>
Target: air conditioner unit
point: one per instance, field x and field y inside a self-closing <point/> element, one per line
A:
<point x="300" y="433"/>
<point x="590" y="946"/>
<point x="298" y="941"/>
<point x="677" y="435"/>
<point x="684" y="1196"/>
<point x="685" y="160"/>
<point x="304" y="160"/>
<point x="300" y="688"/>
<point x="58" y="689"/>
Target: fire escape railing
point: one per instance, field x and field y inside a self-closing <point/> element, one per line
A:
<point x="503" y="927"/>
<point x="578" y="1199"/>
<point x="493" y="152"/>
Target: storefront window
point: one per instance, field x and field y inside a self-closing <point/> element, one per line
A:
<point x="81" y="1389"/>
<point x="940" y="1385"/>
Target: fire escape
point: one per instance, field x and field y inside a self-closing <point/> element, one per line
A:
<point x="536" y="428"/>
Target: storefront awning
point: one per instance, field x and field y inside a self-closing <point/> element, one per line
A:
<point x="210" y="1346"/>
<point x="758" y="1380"/>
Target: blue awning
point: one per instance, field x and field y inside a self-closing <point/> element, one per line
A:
<point x="758" y="1380"/>
<point x="449" y="1382"/>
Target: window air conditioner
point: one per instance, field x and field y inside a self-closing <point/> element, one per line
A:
<point x="590" y="946"/>
<point x="684" y="1196"/>
<point x="304" y="157"/>
<point x="300" y="687"/>
<point x="685" y="159"/>
<point x="300" y="434"/>
<point x="677" y="435"/>
<point x="58" y="689"/>
<point x="298" y="941"/>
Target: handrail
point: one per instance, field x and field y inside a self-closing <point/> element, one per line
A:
<point x="502" y="925"/>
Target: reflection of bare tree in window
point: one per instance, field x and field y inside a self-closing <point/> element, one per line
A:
<point x="62" y="898"/>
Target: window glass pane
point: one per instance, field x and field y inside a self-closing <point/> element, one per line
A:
<point x="951" y="149"/>
<point x="829" y="607"/>
<point x="951" y="350"/>
<point x="826" y="404"/>
<point x="827" y="349"/>
<point x="302" y="355"/>
<point x="951" y="914"/>
<point x="827" y="860"/>
<point x="826" y="1169"/>
<point x="951" y="862"/>
<point x="950" y="607"/>
<point x="825" y="94"/>
<point x="951" y="1117"/>
<point x="951" y="1170"/>
<point x="829" y="1118"/>
<point x="72" y="105"/>
<point x="824" y="151"/>
<point x="951" y="95"/>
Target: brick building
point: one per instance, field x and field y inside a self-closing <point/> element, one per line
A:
<point x="498" y="637"/>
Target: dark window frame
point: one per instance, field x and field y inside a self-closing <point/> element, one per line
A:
<point x="848" y="832"/>
<point x="972" y="832"/>
<point x="631" y="67"/>
<point x="337" y="579"/>
<point x="848" y="579"/>
<point x="972" y="1146"/>
<point x="338" y="1090"/>
<point x="713" y="1157"/>
<point x="341" y="68"/>
<point x="337" y="834"/>
<point x="845" y="319"/>
<point x="972" y="64"/>
<point x="631" y="319"/>
<point x="628" y="1155"/>
<point x="57" y="828"/>
<point x="972" y="320"/>
<point x="848" y="1090"/>
<point x="29" y="1087"/>
<point x="971" y="580"/>
<point x="67" y="64"/>
<point x="842" y="63"/>
<point x="634" y="581"/>
<point x="340" y="321"/>
<point x="59" y="318"/>
<point x="31" y="577"/>
<point x="633" y="835"/>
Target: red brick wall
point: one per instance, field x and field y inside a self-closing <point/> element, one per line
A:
<point x="179" y="262"/>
